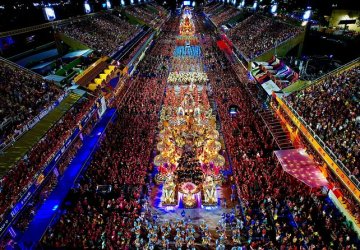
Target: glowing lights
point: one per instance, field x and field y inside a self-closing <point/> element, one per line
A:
<point x="307" y="14"/>
<point x="209" y="207"/>
<point x="170" y="208"/>
<point x="49" y="13"/>
<point x="122" y="2"/>
<point x="242" y="4"/>
<point x="87" y="7"/>
<point x="255" y="5"/>
<point x="304" y="23"/>
<point x="193" y="4"/>
<point x="274" y="8"/>
<point x="108" y="4"/>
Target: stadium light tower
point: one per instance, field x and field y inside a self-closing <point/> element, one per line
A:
<point x="307" y="14"/>
<point x="87" y="7"/>
<point x="255" y="5"/>
<point x="274" y="8"/>
<point x="108" y="4"/>
<point x="242" y="4"/>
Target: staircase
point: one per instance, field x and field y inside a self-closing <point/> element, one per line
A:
<point x="270" y="120"/>
<point x="273" y="125"/>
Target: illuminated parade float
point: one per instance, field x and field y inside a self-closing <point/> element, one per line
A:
<point x="189" y="159"/>
<point x="187" y="27"/>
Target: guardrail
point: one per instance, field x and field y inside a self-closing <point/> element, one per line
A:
<point x="336" y="71"/>
<point x="139" y="54"/>
<point x="30" y="124"/>
<point x="342" y="172"/>
<point x="124" y="47"/>
<point x="279" y="44"/>
<point x="20" y="67"/>
<point x="141" y="49"/>
<point x="43" y="26"/>
<point x="130" y="45"/>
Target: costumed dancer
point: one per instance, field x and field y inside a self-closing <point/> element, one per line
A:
<point x="203" y="226"/>
<point x="179" y="240"/>
<point x="164" y="242"/>
<point x="138" y="242"/>
<point x="236" y="236"/>
<point x="220" y="244"/>
<point x="190" y="242"/>
<point x="206" y="239"/>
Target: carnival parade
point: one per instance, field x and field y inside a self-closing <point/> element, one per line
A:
<point x="179" y="125"/>
<point x="190" y="166"/>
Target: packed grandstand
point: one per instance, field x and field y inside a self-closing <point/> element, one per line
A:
<point x="141" y="127"/>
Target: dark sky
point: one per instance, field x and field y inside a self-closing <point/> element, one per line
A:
<point x="20" y="13"/>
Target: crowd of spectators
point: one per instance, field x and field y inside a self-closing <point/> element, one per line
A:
<point x="224" y="15"/>
<point x="141" y="12"/>
<point x="29" y="211"/>
<point x="130" y="55"/>
<point x="22" y="175"/>
<point x="48" y="185"/>
<point x="162" y="11"/>
<point x="258" y="34"/>
<point x="104" y="32"/>
<point x="156" y="64"/>
<point x="279" y="211"/>
<point x="105" y="220"/>
<point x="331" y="108"/>
<point x="345" y="196"/>
<point x="212" y="8"/>
<point x="23" y="97"/>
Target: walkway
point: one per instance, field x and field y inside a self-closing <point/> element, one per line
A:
<point x="48" y="210"/>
